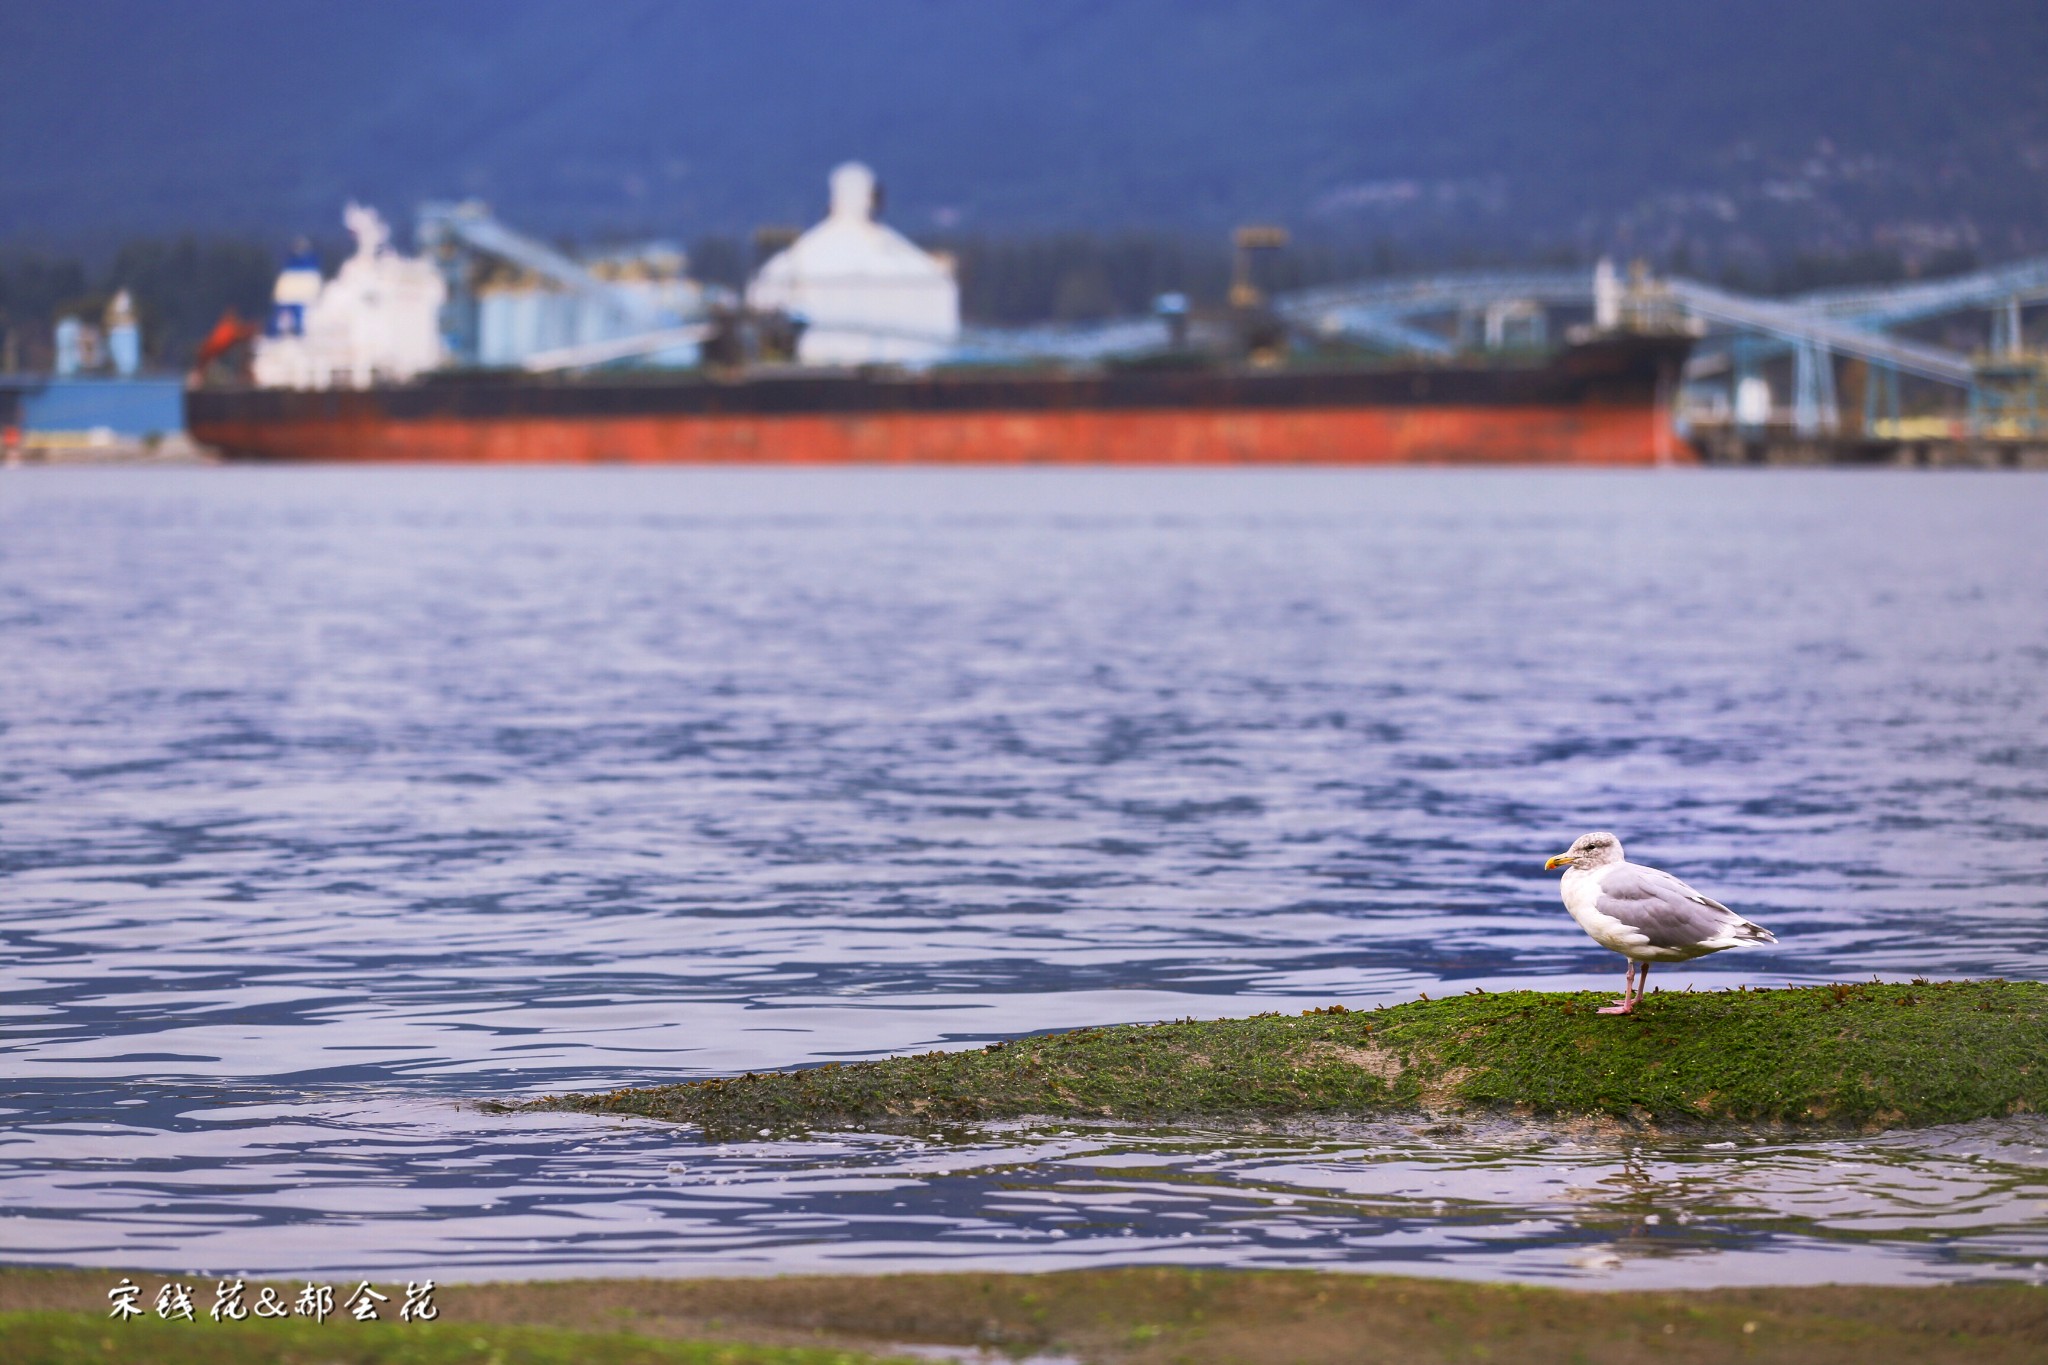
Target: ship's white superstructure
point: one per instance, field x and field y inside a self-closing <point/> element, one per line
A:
<point x="865" y="292"/>
<point x="377" y="320"/>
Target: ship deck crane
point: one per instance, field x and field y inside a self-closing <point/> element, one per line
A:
<point x="460" y="236"/>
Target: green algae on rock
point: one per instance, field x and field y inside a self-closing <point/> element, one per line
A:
<point x="1864" y="1056"/>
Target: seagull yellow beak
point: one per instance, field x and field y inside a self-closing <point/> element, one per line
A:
<point x="1561" y="860"/>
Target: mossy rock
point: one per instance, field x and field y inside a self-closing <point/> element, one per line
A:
<point x="1854" y="1057"/>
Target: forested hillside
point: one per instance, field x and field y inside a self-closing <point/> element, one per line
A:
<point x="1918" y="126"/>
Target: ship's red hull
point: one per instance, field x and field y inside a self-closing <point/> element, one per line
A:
<point x="1491" y="435"/>
<point x="1594" y="406"/>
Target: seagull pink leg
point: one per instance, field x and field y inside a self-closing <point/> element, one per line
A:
<point x="1627" y="1003"/>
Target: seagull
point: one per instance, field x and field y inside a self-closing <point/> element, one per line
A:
<point x="1644" y="914"/>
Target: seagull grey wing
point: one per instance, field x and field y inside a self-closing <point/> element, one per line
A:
<point x="1703" y="900"/>
<point x="1664" y="910"/>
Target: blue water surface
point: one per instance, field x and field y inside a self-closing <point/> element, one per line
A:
<point x="335" y="800"/>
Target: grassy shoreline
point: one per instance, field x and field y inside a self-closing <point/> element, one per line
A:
<point x="1111" y="1317"/>
<point x="1858" y="1057"/>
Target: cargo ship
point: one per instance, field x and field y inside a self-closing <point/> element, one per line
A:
<point x="491" y="348"/>
<point x="1600" y="402"/>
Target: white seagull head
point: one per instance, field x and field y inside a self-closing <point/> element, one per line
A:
<point x="1598" y="849"/>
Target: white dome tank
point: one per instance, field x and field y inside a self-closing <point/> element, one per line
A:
<point x="866" y="293"/>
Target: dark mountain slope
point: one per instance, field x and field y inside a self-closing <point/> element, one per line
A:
<point x="1825" y="122"/>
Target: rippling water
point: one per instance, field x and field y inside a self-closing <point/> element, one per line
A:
<point x="332" y="799"/>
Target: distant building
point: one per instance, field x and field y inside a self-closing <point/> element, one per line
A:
<point x="79" y="347"/>
<point x="377" y="320"/>
<point x="865" y="292"/>
<point x="116" y="343"/>
<point x="96" y="402"/>
<point x="124" y="337"/>
<point x="88" y="411"/>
